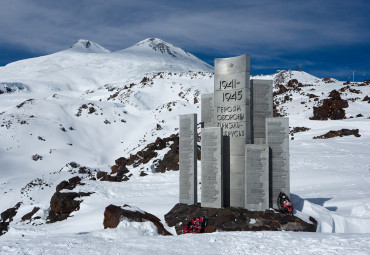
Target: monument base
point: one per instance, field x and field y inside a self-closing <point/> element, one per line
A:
<point x="236" y="219"/>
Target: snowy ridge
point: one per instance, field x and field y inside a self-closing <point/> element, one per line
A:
<point x="167" y="54"/>
<point x="10" y="87"/>
<point x="93" y="108"/>
<point x="80" y="68"/>
<point x="88" y="47"/>
<point x="161" y="46"/>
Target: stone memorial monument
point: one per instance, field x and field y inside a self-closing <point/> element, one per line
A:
<point x="232" y="112"/>
<point x="245" y="151"/>
<point x="212" y="162"/>
<point x="188" y="159"/>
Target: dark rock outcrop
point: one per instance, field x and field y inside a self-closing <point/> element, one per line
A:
<point x="119" y="176"/>
<point x="366" y="99"/>
<point x="236" y="219"/>
<point x="294" y="83"/>
<point x="63" y="204"/>
<point x="7" y="217"/>
<point x="113" y="215"/>
<point x="170" y="160"/>
<point x="299" y="129"/>
<point x="331" y="108"/>
<point x="25" y="102"/>
<point x="70" y="184"/>
<point x="36" y="157"/>
<point x="340" y="133"/>
<point x="29" y="215"/>
<point x="328" y="80"/>
<point x="281" y="90"/>
<point x="312" y="95"/>
<point x="142" y="174"/>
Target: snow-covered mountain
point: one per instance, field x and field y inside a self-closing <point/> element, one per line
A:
<point x="87" y="65"/>
<point x="90" y="106"/>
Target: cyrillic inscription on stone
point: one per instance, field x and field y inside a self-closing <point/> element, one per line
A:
<point x="257" y="177"/>
<point x="212" y="181"/>
<point x="232" y="95"/>
<point x="262" y="108"/>
<point x="207" y="110"/>
<point x="277" y="138"/>
<point x="229" y="97"/>
<point x="233" y="129"/>
<point x="188" y="159"/>
<point x="232" y="113"/>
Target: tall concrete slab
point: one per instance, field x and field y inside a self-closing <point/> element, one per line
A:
<point x="212" y="168"/>
<point x="232" y="112"/>
<point x="207" y="109"/>
<point x="257" y="177"/>
<point x="188" y="159"/>
<point x="262" y="108"/>
<point x="277" y="138"/>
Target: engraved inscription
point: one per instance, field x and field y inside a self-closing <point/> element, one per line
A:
<point x="262" y="108"/>
<point x="187" y="159"/>
<point x="232" y="96"/>
<point x="207" y="110"/>
<point x="212" y="194"/>
<point x="228" y="84"/>
<point x="277" y="130"/>
<point x="256" y="177"/>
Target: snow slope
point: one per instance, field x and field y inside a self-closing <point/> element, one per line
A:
<point x="92" y="106"/>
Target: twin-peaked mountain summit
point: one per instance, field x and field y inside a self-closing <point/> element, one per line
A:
<point x="87" y="64"/>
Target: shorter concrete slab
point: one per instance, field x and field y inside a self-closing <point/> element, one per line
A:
<point x="188" y="159"/>
<point x="212" y="167"/>
<point x="257" y="177"/>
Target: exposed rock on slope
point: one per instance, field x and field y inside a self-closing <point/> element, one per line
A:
<point x="70" y="184"/>
<point x="341" y="133"/>
<point x="299" y="129"/>
<point x="63" y="204"/>
<point x="169" y="161"/>
<point x="7" y="217"/>
<point x="113" y="215"/>
<point x="331" y="108"/>
<point x="120" y="176"/>
<point x="28" y="216"/>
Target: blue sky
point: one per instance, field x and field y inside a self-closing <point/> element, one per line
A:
<point x="326" y="38"/>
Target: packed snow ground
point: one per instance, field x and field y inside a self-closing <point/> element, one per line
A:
<point x="330" y="179"/>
